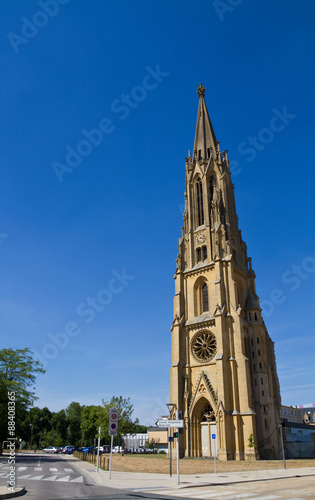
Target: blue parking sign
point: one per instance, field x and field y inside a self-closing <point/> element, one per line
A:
<point x="213" y="436"/>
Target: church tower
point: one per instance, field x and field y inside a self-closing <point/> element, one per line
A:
<point x="223" y="374"/>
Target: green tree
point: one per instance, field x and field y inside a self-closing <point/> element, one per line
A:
<point x="35" y="426"/>
<point x="74" y="417"/>
<point x="251" y="443"/>
<point x="91" y="421"/>
<point x="18" y="372"/>
<point x="125" y="410"/>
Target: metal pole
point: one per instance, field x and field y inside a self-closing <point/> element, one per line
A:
<point x="98" y="448"/>
<point x="111" y="454"/>
<point x="214" y="452"/>
<point x="177" y="454"/>
<point x="282" y="446"/>
<point x="170" y="452"/>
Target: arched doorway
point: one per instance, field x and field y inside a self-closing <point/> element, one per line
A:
<point x="203" y="428"/>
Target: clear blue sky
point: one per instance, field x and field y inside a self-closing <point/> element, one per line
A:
<point x="63" y="243"/>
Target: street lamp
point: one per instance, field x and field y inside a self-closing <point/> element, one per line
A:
<point x="282" y="446"/>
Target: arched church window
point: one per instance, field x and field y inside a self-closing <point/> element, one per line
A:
<point x="200" y="214"/>
<point x="208" y="415"/>
<point x="205" y="298"/>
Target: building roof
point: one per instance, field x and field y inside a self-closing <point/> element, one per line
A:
<point x="204" y="136"/>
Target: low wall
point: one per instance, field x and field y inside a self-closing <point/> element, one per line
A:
<point x="299" y="450"/>
<point x="92" y="459"/>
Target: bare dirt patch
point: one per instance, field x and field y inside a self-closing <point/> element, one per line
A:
<point x="160" y="464"/>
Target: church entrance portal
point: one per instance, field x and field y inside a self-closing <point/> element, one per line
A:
<point x="203" y="427"/>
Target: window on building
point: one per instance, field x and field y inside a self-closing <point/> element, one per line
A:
<point x="263" y="393"/>
<point x="205" y="298"/>
<point x="260" y="366"/>
<point x="255" y="382"/>
<point x="266" y="423"/>
<point x="205" y="253"/>
<point x="256" y="317"/>
<point x="198" y="254"/>
<point x="249" y="316"/>
<point x="258" y="352"/>
<point x="212" y="186"/>
<point x="200" y="214"/>
<point x="254" y="367"/>
<point x="252" y="342"/>
<point x="253" y="354"/>
<point x="257" y="340"/>
<point x="262" y="381"/>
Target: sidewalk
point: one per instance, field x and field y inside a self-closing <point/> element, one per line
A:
<point x="135" y="481"/>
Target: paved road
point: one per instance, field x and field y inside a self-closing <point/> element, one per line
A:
<point x="49" y="477"/>
<point x="296" y="488"/>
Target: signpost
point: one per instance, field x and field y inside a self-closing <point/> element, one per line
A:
<point x="112" y="431"/>
<point x="214" y="453"/>
<point x="98" y="448"/>
<point x="177" y="449"/>
<point x="170" y="423"/>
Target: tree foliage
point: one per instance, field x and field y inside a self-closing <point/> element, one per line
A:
<point x="18" y="372"/>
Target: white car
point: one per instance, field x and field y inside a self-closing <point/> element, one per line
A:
<point x="51" y="449"/>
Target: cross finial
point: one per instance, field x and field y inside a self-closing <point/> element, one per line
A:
<point x="201" y="90"/>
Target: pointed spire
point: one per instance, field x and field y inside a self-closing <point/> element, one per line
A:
<point x="205" y="136"/>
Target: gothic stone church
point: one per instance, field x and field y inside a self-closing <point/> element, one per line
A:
<point x="223" y="374"/>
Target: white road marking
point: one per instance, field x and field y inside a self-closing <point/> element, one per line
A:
<point x="37" y="478"/>
<point x="53" y="469"/>
<point x="68" y="470"/>
<point x="3" y="474"/>
<point x="66" y="478"/>
<point x="77" y="480"/>
<point x="51" y="478"/>
<point x="218" y="494"/>
<point x="21" y="468"/>
<point x="25" y="477"/>
<point x="244" y="495"/>
<point x="270" y="497"/>
<point x="38" y="468"/>
<point x="193" y="493"/>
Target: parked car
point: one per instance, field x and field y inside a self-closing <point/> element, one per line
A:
<point x="117" y="449"/>
<point x="88" y="449"/>
<point x="52" y="449"/>
<point x="69" y="449"/>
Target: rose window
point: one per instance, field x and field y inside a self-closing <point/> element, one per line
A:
<point x="203" y="346"/>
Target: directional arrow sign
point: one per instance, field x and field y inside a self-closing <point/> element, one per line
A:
<point x="170" y="423"/>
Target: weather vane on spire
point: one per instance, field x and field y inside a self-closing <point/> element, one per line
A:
<point x="201" y="90"/>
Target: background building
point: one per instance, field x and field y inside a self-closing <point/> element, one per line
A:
<point x="223" y="375"/>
